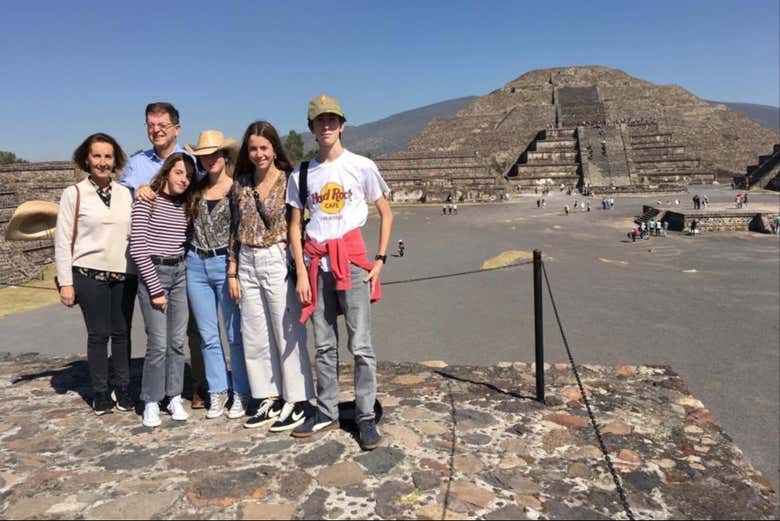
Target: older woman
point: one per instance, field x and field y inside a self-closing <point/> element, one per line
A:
<point x="206" y="274"/>
<point x="93" y="266"/>
<point x="274" y="340"/>
<point x="157" y="240"/>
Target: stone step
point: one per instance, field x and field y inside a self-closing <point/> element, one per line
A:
<point x="641" y="139"/>
<point x="555" y="145"/>
<point x="560" y="133"/>
<point x="567" y="168"/>
<point x="559" y="156"/>
<point x="652" y="165"/>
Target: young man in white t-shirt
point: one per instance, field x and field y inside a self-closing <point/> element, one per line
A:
<point x="334" y="273"/>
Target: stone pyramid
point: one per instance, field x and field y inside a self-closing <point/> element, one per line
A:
<point x="579" y="126"/>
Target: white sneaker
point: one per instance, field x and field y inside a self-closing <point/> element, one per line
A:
<point x="176" y="408"/>
<point x="238" y="409"/>
<point x="217" y="403"/>
<point x="152" y="415"/>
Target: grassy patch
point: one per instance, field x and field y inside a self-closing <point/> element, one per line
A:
<point x="506" y="258"/>
<point x="31" y="295"/>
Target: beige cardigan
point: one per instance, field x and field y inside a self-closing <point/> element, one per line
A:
<point x="102" y="236"/>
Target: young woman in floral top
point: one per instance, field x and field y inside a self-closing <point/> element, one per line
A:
<point x="274" y="340"/>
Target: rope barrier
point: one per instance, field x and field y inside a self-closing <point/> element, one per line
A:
<point x="459" y="274"/>
<point x="615" y="478"/>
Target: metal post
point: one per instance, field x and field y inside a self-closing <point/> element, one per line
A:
<point x="539" y="326"/>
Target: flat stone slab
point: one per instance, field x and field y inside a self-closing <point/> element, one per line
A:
<point x="460" y="443"/>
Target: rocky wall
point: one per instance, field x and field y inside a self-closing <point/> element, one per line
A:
<point x="23" y="261"/>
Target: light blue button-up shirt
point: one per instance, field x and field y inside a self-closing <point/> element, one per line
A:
<point x="142" y="167"/>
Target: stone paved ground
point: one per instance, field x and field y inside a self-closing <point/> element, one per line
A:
<point x="460" y="442"/>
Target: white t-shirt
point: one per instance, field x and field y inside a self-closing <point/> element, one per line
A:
<point x="338" y="195"/>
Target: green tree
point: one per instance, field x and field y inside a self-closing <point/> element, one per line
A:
<point x="8" y="158"/>
<point x="311" y="154"/>
<point x="293" y="144"/>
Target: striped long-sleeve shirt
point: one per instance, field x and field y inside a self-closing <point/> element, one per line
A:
<point x="159" y="228"/>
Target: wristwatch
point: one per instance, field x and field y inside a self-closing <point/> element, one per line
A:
<point x="383" y="258"/>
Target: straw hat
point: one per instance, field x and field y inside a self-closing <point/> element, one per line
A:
<point x="33" y="221"/>
<point x="210" y="141"/>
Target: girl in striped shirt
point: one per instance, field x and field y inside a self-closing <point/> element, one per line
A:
<point x="157" y="239"/>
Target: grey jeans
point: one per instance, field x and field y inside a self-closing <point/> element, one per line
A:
<point x="166" y="333"/>
<point x="356" y="305"/>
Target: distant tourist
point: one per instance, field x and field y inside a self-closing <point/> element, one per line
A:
<point x="588" y="204"/>
<point x="566" y="209"/>
<point x="333" y="236"/>
<point x="745" y="199"/>
<point x="94" y="269"/>
<point x="444" y="209"/>
<point x="401" y="248"/>
<point x="455" y="209"/>
<point x="694" y="227"/>
<point x="157" y="245"/>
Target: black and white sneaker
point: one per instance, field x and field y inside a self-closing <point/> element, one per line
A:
<point x="315" y="424"/>
<point x="124" y="402"/>
<point x="269" y="412"/>
<point x="293" y="415"/>
<point x="103" y="404"/>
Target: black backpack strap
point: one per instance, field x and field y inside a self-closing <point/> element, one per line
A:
<point x="303" y="185"/>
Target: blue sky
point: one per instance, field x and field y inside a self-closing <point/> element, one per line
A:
<point x="73" y="68"/>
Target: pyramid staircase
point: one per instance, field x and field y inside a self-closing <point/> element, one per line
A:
<point x="655" y="158"/>
<point x="765" y="174"/>
<point x="552" y="159"/>
<point x="433" y="176"/>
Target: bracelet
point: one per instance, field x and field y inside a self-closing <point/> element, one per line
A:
<point x="232" y="275"/>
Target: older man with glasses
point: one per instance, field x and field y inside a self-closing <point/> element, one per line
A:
<point x="162" y="129"/>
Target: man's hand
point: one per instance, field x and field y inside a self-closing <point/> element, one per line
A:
<point x="68" y="295"/>
<point x="145" y="193"/>
<point x="373" y="275"/>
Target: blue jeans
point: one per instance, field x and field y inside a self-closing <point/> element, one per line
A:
<point x="206" y="289"/>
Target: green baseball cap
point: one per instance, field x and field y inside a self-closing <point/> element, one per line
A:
<point x="324" y="104"/>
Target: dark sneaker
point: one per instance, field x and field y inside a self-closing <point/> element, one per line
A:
<point x="124" y="402"/>
<point x="103" y="404"/>
<point x="267" y="413"/>
<point x="293" y="415"/>
<point x="368" y="435"/>
<point x="315" y="424"/>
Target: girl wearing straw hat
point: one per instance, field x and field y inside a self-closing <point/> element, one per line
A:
<point x="206" y="269"/>
<point x="274" y="340"/>
<point x="91" y="255"/>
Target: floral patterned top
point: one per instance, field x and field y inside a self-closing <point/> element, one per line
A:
<point x="211" y="227"/>
<point x="257" y="223"/>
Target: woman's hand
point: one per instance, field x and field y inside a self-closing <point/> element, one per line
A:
<point x="68" y="295"/>
<point x="146" y="194"/>
<point x="373" y="275"/>
<point x="234" y="289"/>
<point x="302" y="288"/>
<point x="160" y="302"/>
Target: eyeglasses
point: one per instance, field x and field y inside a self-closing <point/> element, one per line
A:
<point x="160" y="126"/>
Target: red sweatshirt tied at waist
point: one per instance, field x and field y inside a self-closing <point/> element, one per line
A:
<point x="349" y="249"/>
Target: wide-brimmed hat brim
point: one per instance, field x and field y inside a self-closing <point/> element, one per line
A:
<point x="33" y="221"/>
<point x="229" y="144"/>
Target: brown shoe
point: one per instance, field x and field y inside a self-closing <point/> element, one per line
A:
<point x="197" y="401"/>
